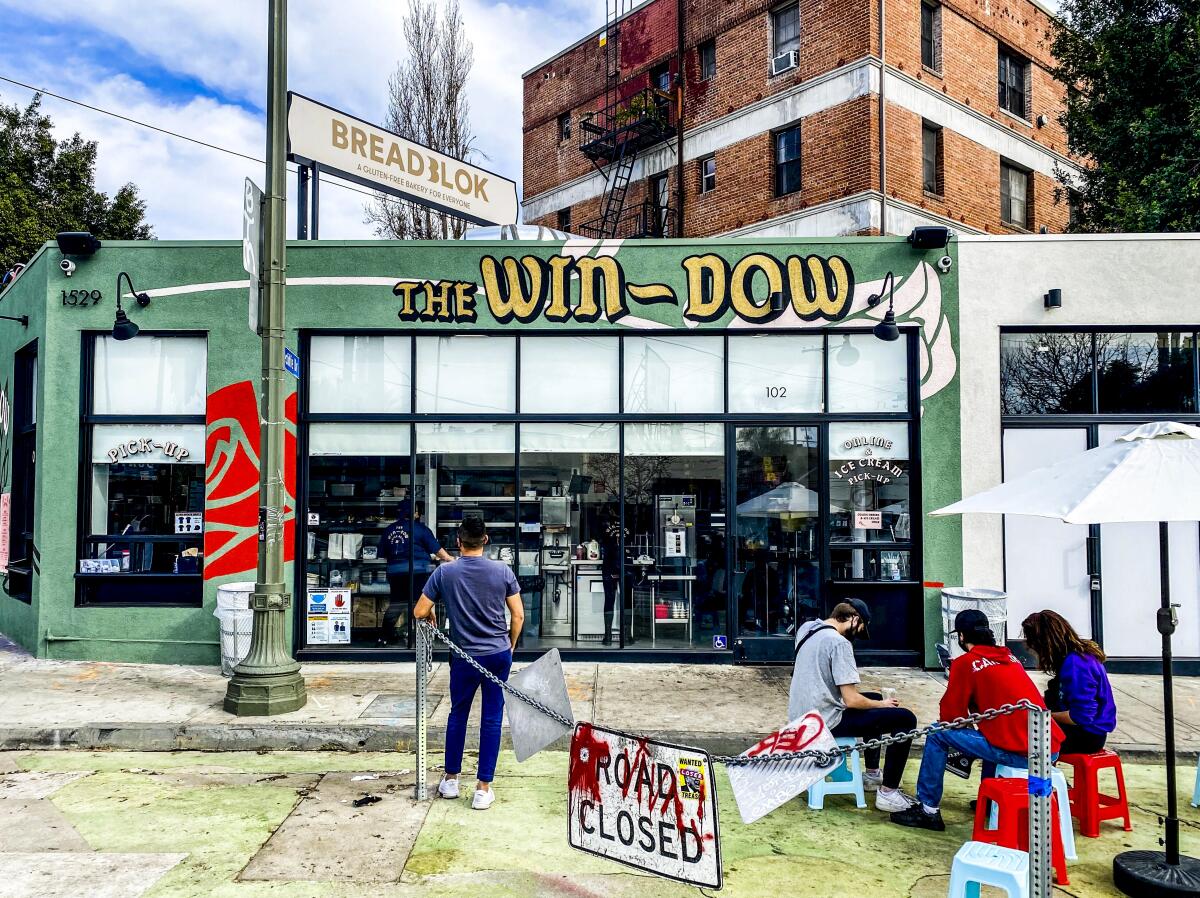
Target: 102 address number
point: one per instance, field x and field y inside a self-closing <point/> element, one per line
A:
<point x="81" y="298"/>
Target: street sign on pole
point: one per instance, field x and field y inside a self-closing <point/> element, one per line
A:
<point x="252" y="241"/>
<point x="649" y="805"/>
<point x="291" y="363"/>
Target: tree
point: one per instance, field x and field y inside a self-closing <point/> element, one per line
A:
<point x="1133" y="111"/>
<point x="427" y="104"/>
<point x="47" y="186"/>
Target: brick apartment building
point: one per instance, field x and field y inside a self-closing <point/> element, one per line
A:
<point x="782" y="105"/>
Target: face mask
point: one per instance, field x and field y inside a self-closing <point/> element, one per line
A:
<point x="855" y="632"/>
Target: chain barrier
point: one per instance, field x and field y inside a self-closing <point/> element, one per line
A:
<point x="822" y="758"/>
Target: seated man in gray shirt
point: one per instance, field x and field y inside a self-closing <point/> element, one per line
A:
<point x="825" y="679"/>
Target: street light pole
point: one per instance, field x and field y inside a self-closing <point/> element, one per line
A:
<point x="268" y="681"/>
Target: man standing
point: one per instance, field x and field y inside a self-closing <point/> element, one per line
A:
<point x="986" y="676"/>
<point x="825" y="680"/>
<point x="475" y="590"/>
<point x="407" y="549"/>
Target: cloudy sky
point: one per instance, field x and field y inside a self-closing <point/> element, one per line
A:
<point x="199" y="68"/>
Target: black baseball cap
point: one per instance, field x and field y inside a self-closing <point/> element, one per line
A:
<point x="972" y="620"/>
<point x="864" y="614"/>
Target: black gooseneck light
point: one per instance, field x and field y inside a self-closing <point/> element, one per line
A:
<point x="886" y="329"/>
<point x="123" y="328"/>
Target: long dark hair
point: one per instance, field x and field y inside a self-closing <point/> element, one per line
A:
<point x="1051" y="638"/>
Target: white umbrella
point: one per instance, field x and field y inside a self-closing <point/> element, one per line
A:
<point x="1151" y="473"/>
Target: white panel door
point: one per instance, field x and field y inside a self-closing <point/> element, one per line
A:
<point x="1045" y="561"/>
<point x="1130" y="581"/>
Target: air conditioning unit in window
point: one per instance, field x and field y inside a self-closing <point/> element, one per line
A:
<point x="785" y="61"/>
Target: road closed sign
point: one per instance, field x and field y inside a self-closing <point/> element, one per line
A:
<point x="648" y="805"/>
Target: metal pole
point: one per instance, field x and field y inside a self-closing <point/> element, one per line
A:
<point x="681" y="56"/>
<point x="302" y="202"/>
<point x="1166" y="627"/>
<point x="423" y="655"/>
<point x="1041" y="821"/>
<point x="314" y="231"/>
<point x="268" y="681"/>
<point x="883" y="203"/>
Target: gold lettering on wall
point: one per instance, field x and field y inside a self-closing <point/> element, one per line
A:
<point x="742" y="286"/>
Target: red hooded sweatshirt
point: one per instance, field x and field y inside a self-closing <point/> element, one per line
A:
<point x="987" y="677"/>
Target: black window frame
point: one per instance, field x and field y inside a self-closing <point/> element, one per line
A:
<point x="932" y="169"/>
<point x="22" y="551"/>
<point x="794" y="165"/>
<point x="660" y="76"/>
<point x="1006" y="196"/>
<point x="564" y="218"/>
<point x="706" y="59"/>
<point x="1012" y="80"/>
<point x="931" y="36"/>
<point x="706" y="176"/>
<point x="778" y="15"/>
<point x="166" y="590"/>
<point x="564" y="126"/>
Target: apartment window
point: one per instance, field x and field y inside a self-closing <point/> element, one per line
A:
<point x="659" y="195"/>
<point x="787" y="161"/>
<point x="564" y="126"/>
<point x="660" y="77"/>
<point x="708" y="174"/>
<point x="1014" y="195"/>
<point x="1012" y="70"/>
<point x="1074" y="202"/>
<point x="564" y="219"/>
<point x="785" y="28"/>
<point x="931" y="36"/>
<point x="707" y="56"/>
<point x="931" y="158"/>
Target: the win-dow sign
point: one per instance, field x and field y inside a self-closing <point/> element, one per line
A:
<point x="382" y="160"/>
<point x="646" y="804"/>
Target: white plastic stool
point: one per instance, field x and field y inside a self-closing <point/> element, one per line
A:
<point x="845" y="779"/>
<point x="978" y="863"/>
<point x="1059" y="781"/>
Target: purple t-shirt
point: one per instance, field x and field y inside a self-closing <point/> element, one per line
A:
<point x="473" y="589"/>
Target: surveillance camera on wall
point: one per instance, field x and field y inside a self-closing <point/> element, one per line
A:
<point x="944" y="264"/>
<point x="67" y="266"/>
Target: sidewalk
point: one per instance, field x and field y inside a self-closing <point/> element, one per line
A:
<point x="371" y="707"/>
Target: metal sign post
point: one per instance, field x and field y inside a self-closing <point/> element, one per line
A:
<point x="1041" y="821"/>
<point x="423" y="656"/>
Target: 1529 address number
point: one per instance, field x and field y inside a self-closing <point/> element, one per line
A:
<point x="81" y="298"/>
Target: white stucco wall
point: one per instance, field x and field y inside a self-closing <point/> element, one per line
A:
<point x="1116" y="280"/>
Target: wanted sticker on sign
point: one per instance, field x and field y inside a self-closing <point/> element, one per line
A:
<point x="761" y="788"/>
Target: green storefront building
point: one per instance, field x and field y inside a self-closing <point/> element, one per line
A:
<point x="683" y="448"/>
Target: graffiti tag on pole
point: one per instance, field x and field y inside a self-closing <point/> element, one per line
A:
<point x="649" y="805"/>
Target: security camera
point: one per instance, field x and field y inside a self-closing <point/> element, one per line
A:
<point x="944" y="264"/>
<point x="67" y="266"/>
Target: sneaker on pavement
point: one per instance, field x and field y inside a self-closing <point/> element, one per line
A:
<point x="872" y="781"/>
<point x="893" y="801"/>
<point x="448" y="788"/>
<point x="483" y="800"/>
<point x="915" y="816"/>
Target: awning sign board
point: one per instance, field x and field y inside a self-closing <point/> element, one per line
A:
<point x="761" y="788"/>
<point x="648" y="805"/>
<point x="382" y="160"/>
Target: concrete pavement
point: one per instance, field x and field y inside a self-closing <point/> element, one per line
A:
<point x="370" y="707"/>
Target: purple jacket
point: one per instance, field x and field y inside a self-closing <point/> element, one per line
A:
<point x="1086" y="693"/>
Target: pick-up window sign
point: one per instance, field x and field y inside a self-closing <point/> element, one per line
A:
<point x="649" y="805"/>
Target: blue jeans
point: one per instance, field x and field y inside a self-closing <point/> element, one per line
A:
<point x="464" y="681"/>
<point x="970" y="743"/>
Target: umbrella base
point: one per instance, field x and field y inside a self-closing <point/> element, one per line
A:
<point x="1146" y="874"/>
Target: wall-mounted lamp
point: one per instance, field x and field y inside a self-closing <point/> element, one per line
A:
<point x="123" y="328"/>
<point x="77" y="243"/>
<point x="777" y="302"/>
<point x="1053" y="299"/>
<point x="24" y="319"/>
<point x="929" y="237"/>
<point x="886" y="329"/>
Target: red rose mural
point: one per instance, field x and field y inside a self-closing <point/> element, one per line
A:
<point x="231" y="478"/>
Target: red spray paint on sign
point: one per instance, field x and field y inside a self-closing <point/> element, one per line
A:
<point x="587" y="752"/>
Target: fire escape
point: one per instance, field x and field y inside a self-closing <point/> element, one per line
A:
<point x="613" y="136"/>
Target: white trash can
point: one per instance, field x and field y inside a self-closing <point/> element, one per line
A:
<point x="236" y="621"/>
<point x="992" y="602"/>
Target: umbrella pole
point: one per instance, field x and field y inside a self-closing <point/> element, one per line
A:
<point x="1155" y="873"/>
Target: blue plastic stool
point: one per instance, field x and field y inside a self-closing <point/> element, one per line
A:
<point x="1059" y="781"/>
<point x="1196" y="790"/>
<point x="846" y="779"/>
<point x="978" y="863"/>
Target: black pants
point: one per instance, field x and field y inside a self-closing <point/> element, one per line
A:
<point x="871" y="722"/>
<point x="402" y="599"/>
<point x="1081" y="742"/>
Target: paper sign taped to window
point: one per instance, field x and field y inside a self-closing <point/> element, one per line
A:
<point x="868" y="520"/>
<point x="761" y="788"/>
<point x="189" y="522"/>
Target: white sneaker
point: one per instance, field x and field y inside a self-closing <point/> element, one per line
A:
<point x="891" y="802"/>
<point x="483" y="800"/>
<point x="448" y="788"/>
<point x="872" y="781"/>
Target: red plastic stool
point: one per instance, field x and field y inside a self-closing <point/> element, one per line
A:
<point x="1012" y="821"/>
<point x="1087" y="802"/>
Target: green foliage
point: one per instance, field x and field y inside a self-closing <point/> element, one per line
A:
<point x="1132" y="68"/>
<point x="47" y="186"/>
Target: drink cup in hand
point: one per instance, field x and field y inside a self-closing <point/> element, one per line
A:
<point x="889" y="697"/>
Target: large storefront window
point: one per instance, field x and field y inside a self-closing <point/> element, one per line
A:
<point x="143" y="525"/>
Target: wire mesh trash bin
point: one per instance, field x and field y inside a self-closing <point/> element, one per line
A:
<point x="992" y="602"/>
<point x="236" y="620"/>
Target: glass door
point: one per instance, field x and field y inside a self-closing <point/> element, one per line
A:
<point x="776" y="552"/>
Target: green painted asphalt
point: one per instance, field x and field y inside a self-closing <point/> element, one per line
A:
<point x="204" y="805"/>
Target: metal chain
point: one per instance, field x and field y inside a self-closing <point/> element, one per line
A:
<point x="822" y="758"/>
